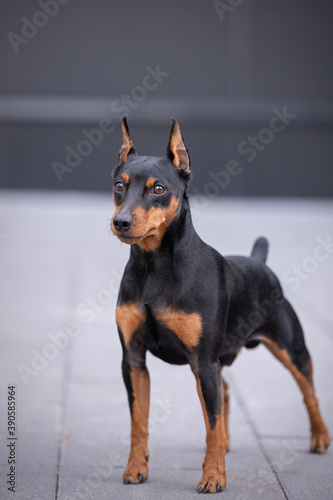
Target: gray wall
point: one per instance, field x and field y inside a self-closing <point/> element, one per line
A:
<point x="225" y="77"/>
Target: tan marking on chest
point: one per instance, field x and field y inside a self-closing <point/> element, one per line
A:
<point x="187" y="327"/>
<point x="129" y="318"/>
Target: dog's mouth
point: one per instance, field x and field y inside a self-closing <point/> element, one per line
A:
<point x="131" y="240"/>
<point x="126" y="238"/>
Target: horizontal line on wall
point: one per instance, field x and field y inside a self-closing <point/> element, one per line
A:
<point x="81" y="110"/>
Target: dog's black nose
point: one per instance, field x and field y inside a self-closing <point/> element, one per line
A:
<point x="122" y="223"/>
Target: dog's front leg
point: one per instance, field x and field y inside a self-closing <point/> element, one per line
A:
<point x="137" y="383"/>
<point x="210" y="391"/>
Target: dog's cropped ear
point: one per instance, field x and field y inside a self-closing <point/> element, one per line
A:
<point x="127" y="148"/>
<point x="177" y="151"/>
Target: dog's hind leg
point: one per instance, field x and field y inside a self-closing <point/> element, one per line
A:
<point x="288" y="346"/>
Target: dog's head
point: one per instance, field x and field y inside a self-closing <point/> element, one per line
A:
<point x="148" y="190"/>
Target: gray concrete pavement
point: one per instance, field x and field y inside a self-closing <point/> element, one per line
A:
<point x="60" y="271"/>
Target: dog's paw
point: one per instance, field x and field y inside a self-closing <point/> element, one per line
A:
<point x="320" y="441"/>
<point x="211" y="483"/>
<point x="136" y="472"/>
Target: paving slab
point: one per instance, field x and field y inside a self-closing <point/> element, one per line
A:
<point x="60" y="269"/>
<point x="303" y="475"/>
<point x="96" y="451"/>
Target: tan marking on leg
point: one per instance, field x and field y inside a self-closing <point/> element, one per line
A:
<point x="319" y="435"/>
<point x="214" y="463"/>
<point x="226" y="411"/>
<point x="150" y="182"/>
<point x="137" y="468"/>
<point x="129" y="318"/>
<point x="187" y="327"/>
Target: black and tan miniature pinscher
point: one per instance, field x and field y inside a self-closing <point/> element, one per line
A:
<point x="185" y="303"/>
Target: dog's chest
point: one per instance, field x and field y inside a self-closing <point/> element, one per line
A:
<point x="170" y="333"/>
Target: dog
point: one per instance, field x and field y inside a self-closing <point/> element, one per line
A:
<point x="184" y="302"/>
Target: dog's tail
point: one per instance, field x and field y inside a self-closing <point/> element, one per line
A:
<point x="260" y="249"/>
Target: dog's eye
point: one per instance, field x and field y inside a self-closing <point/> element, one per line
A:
<point x="158" y="189"/>
<point x="119" y="186"/>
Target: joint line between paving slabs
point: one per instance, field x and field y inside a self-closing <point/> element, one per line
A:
<point x="72" y="273"/>
<point x="62" y="415"/>
<point x="255" y="433"/>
